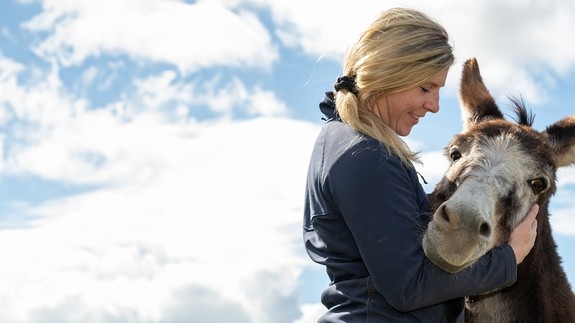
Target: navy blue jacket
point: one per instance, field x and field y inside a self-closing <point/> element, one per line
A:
<point x="365" y="213"/>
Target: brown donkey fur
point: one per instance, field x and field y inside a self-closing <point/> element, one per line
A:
<point x="497" y="170"/>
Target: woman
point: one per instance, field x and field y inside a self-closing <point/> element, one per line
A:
<point x="365" y="208"/>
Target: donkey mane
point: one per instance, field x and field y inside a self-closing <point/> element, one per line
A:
<point x="523" y="117"/>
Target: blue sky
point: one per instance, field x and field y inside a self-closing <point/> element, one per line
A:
<point x="153" y="152"/>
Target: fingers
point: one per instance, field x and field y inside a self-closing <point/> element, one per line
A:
<point x="523" y="236"/>
<point x="530" y="220"/>
<point x="532" y="213"/>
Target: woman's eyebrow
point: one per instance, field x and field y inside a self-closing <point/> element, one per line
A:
<point x="433" y="84"/>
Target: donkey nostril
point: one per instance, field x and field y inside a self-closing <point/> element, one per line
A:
<point x="485" y="229"/>
<point x="443" y="213"/>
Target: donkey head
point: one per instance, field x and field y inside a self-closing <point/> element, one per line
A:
<point x="498" y="169"/>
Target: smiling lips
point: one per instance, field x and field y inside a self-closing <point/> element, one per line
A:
<point x="415" y="117"/>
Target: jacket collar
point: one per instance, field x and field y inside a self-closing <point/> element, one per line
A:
<point x="327" y="107"/>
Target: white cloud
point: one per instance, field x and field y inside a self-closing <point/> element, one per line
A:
<point x="220" y="218"/>
<point x="41" y="101"/>
<point x="525" y="48"/>
<point x="189" y="36"/>
<point x="233" y="96"/>
<point x="562" y="208"/>
<point x="566" y="176"/>
<point x="323" y="27"/>
<point x="265" y="103"/>
<point x="434" y="165"/>
<point x="75" y="144"/>
<point x="562" y="220"/>
<point x="190" y="221"/>
<point x="9" y="68"/>
<point x="311" y="313"/>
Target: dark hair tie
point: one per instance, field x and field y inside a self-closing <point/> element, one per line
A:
<point x="346" y="83"/>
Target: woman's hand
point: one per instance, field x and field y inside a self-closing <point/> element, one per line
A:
<point x="523" y="235"/>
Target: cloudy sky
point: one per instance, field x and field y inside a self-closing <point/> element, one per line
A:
<point x="153" y="152"/>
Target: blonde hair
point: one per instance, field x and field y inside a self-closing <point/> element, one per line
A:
<point x="402" y="49"/>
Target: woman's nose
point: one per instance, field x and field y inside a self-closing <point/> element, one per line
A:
<point x="432" y="105"/>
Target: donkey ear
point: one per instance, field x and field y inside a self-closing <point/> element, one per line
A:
<point x="477" y="104"/>
<point x="561" y="136"/>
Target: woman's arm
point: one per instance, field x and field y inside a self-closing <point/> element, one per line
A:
<point x="379" y="202"/>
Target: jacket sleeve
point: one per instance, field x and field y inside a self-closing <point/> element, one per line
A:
<point x="378" y="200"/>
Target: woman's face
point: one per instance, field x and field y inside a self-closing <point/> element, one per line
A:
<point x="402" y="110"/>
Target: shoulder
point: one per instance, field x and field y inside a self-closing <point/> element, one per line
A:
<point x="350" y="154"/>
<point x="345" y="145"/>
<point x="342" y="140"/>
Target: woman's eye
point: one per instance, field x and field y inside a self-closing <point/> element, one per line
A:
<point x="425" y="90"/>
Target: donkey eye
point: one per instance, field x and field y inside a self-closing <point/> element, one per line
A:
<point x="454" y="155"/>
<point x="538" y="185"/>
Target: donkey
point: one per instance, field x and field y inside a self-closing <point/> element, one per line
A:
<point x="498" y="169"/>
